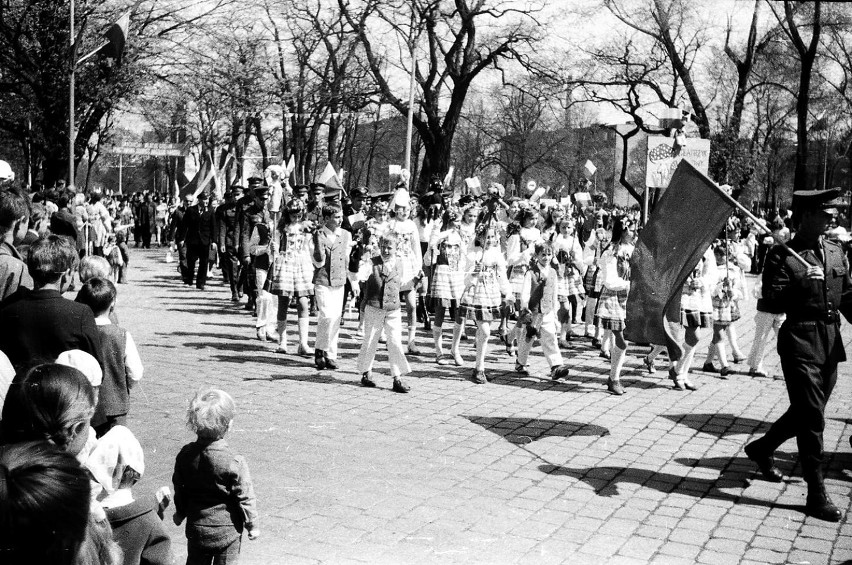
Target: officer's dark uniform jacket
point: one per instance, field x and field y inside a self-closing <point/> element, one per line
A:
<point x="253" y="218"/>
<point x="811" y="332"/>
<point x="228" y="219"/>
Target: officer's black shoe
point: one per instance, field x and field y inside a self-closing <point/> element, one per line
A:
<point x="329" y="363"/>
<point x="819" y="506"/>
<point x="367" y="381"/>
<point x="766" y="463"/>
<point x="319" y="359"/>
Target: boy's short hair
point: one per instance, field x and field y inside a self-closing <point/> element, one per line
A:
<point x="330" y="210"/>
<point x="93" y="266"/>
<point x="543" y="246"/>
<point x="49" y="257"/>
<point x="98" y="294"/>
<point x="210" y="413"/>
<point x="13" y="207"/>
<point x="389" y="237"/>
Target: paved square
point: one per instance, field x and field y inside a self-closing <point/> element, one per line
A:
<point x="521" y="470"/>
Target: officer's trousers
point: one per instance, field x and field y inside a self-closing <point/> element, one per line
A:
<point x="809" y="387"/>
<point x="231" y="267"/>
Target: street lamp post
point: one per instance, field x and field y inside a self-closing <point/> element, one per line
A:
<point x="71" y="133"/>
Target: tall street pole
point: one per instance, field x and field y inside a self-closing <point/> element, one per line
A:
<point x="71" y="133"/>
<point x="410" y="125"/>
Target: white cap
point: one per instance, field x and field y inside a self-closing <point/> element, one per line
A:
<point x="83" y="362"/>
<point x="6" y="172"/>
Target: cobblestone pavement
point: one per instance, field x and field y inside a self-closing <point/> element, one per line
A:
<point x="521" y="470"/>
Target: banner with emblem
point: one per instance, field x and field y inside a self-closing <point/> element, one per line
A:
<point x="666" y="153"/>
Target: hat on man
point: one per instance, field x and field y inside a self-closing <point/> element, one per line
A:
<point x="317" y="187"/>
<point x="332" y="195"/>
<point x="254" y="182"/>
<point x="830" y="200"/>
<point x="300" y="190"/>
<point x="260" y="190"/>
<point x="236" y="189"/>
<point x="359" y="192"/>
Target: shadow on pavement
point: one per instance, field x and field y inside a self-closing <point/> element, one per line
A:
<point x="522" y="431"/>
<point x="234" y="336"/>
<point x="605" y="480"/>
<point x="719" y="425"/>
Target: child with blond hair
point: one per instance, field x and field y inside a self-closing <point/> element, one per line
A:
<point x="213" y="488"/>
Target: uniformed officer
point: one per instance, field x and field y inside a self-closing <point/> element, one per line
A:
<point x="228" y="221"/>
<point x="809" y="341"/>
<point x="255" y="237"/>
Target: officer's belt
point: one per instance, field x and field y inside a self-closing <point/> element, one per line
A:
<point x="829" y="317"/>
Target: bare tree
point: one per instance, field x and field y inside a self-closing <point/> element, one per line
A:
<point x="459" y="40"/>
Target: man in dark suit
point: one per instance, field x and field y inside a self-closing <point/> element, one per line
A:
<point x="198" y="232"/>
<point x="37" y="325"/>
<point x="228" y="225"/>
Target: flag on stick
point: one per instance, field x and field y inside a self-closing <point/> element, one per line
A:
<point x="116" y="36"/>
<point x="685" y="222"/>
<point x="329" y="178"/>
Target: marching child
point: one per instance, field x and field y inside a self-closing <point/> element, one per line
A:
<point x="487" y="291"/>
<point x="539" y="299"/>
<point x="727" y="293"/>
<point x="411" y="258"/>
<point x="569" y="255"/>
<point x="446" y="258"/>
<point x="331" y="247"/>
<point x="382" y="311"/>
<point x="213" y="488"/>
<point x="114" y="257"/>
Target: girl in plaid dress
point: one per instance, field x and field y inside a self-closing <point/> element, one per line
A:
<point x="410" y="257"/>
<point x="486" y="289"/>
<point x="727" y="292"/>
<point x="612" y="304"/>
<point x="569" y="277"/>
<point x="695" y="313"/>
<point x="446" y="284"/>
<point x="292" y="274"/>
<point x="594" y="248"/>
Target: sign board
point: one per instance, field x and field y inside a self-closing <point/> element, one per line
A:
<point x="150" y="149"/>
<point x="663" y="158"/>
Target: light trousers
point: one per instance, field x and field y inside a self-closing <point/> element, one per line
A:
<point x="329" y="309"/>
<point x="375" y="319"/>
<point x="547" y="335"/>
<point x="764" y="324"/>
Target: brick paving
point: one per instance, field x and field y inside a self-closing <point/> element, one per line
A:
<point x="521" y="470"/>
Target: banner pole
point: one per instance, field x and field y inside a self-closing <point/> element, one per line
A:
<point x="765" y="230"/>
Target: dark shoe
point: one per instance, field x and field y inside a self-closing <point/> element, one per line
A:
<point x="614" y="387"/>
<point x="398" y="386"/>
<point x="200" y="287"/>
<point x="367" y="381"/>
<point x="724" y="372"/>
<point x="319" y="359"/>
<point x="649" y="365"/>
<point x="559" y="372"/>
<point x="478" y="377"/>
<point x="234" y="298"/>
<point x="605" y="355"/>
<point x="819" y="506"/>
<point x="766" y="463"/>
<point x="738" y="360"/>
<point x="521" y="369"/>
<point x="596" y="343"/>
<point x="330" y="363"/>
<point x="709" y="368"/>
<point x="758" y="374"/>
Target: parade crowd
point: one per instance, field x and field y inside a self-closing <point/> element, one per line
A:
<point x="522" y="270"/>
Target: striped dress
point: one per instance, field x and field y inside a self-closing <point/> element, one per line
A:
<point x="446" y="280"/>
<point x="407" y="250"/>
